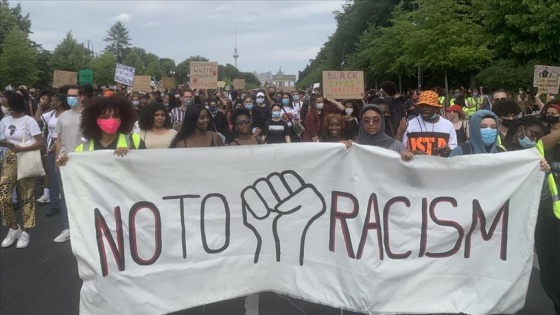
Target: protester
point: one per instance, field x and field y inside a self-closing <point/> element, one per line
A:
<point x="241" y="119"/>
<point x="68" y="137"/>
<point x="155" y="127"/>
<point x="458" y="118"/>
<point x="290" y="114"/>
<point x="218" y="121"/>
<point x="194" y="131"/>
<point x="507" y="111"/>
<point x="260" y="113"/>
<point x="429" y="133"/>
<point x="276" y="130"/>
<point x="352" y="128"/>
<point x="59" y="106"/>
<point x="178" y="113"/>
<point x="483" y="135"/>
<point x="19" y="130"/>
<point x="313" y="119"/>
<point x="333" y="128"/>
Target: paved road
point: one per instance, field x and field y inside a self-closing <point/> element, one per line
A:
<point x="43" y="279"/>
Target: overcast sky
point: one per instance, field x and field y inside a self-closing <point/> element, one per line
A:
<point x="270" y="34"/>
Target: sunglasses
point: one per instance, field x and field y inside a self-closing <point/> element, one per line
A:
<point x="243" y="122"/>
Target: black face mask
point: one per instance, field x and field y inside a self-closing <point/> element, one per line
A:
<point x="507" y="122"/>
<point x="552" y="119"/>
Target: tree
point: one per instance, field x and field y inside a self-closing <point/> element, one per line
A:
<point x="167" y="66"/>
<point x="523" y="29"/>
<point x="10" y="18"/>
<point x="117" y="37"/>
<point x="103" y="67"/>
<point x="18" y="60"/>
<point x="45" y="69"/>
<point x="154" y="69"/>
<point x="69" y="55"/>
<point x="134" y="59"/>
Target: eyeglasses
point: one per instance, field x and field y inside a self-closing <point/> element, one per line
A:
<point x="369" y="121"/>
<point x="243" y="122"/>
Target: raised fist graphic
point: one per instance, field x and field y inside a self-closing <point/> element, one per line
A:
<point x="279" y="209"/>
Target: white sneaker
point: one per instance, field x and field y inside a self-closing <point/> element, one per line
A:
<point x="23" y="240"/>
<point x="12" y="236"/>
<point x="63" y="237"/>
<point x="44" y="199"/>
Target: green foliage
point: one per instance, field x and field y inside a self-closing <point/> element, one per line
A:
<point x="134" y="59"/>
<point x="118" y="39"/>
<point x="167" y="66"/>
<point x="18" y="60"/>
<point x="10" y="18"/>
<point x="69" y="55"/>
<point x="103" y="67"/>
<point x="43" y="65"/>
<point x="523" y="29"/>
<point x="154" y="69"/>
<point x="507" y="75"/>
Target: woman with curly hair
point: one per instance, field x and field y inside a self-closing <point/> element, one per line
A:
<point x="194" y="132"/>
<point x="332" y="128"/>
<point x="507" y="112"/>
<point x="107" y="123"/>
<point x="155" y="127"/>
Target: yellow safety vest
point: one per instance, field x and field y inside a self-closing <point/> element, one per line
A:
<point x="551" y="184"/>
<point x="441" y="101"/>
<point x="122" y="142"/>
<point x="472" y="106"/>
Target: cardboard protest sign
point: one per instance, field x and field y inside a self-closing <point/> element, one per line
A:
<point x="168" y="83"/>
<point x="548" y="85"/>
<point x="316" y="85"/>
<point x="542" y="72"/>
<point x="221" y="84"/>
<point x="61" y="78"/>
<point x="142" y="83"/>
<point x="325" y="234"/>
<point x="239" y="84"/>
<point x="343" y="84"/>
<point x="124" y="74"/>
<point x="203" y="75"/>
<point x="85" y="77"/>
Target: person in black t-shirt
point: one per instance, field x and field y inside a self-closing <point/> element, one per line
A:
<point x="276" y="130"/>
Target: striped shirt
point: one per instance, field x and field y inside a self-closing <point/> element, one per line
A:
<point x="177" y="115"/>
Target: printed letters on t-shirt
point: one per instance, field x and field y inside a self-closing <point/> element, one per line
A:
<point x="427" y="141"/>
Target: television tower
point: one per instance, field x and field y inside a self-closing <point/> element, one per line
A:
<point x="235" y="54"/>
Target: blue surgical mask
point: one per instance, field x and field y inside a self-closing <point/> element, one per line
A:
<point x="527" y="143"/>
<point x="488" y="136"/>
<point x="72" y="101"/>
<point x="285" y="102"/>
<point x="296" y="97"/>
<point x="249" y="106"/>
<point x="135" y="103"/>
<point x="276" y="114"/>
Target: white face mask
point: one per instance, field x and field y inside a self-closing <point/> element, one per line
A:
<point x="6" y="111"/>
<point x="320" y="105"/>
<point x="348" y="111"/>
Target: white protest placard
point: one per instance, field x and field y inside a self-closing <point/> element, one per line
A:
<point x="428" y="234"/>
<point x="124" y="74"/>
<point x="548" y="85"/>
<point x="203" y="75"/>
<point x="316" y="85"/>
<point x="545" y="72"/>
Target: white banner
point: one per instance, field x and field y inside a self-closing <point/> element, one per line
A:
<point x="124" y="74"/>
<point x="164" y="230"/>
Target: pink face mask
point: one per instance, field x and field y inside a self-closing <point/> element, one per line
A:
<point x="109" y="125"/>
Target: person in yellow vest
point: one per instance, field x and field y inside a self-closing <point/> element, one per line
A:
<point x="527" y="132"/>
<point x="107" y="123"/>
<point x="473" y="103"/>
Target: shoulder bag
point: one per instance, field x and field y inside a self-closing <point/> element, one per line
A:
<point x="29" y="162"/>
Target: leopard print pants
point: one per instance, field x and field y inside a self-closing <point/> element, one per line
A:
<point x="26" y="188"/>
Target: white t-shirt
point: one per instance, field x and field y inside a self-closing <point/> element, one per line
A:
<point x="425" y="136"/>
<point x="13" y="129"/>
<point x="68" y="126"/>
<point x="49" y="119"/>
<point x="293" y="114"/>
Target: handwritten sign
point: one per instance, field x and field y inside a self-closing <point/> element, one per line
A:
<point x="343" y="84"/>
<point x="545" y="72"/>
<point x="142" y="83"/>
<point x="221" y="84"/>
<point x="85" y="77"/>
<point x="124" y="74"/>
<point x="168" y="82"/>
<point x="239" y="84"/>
<point x="548" y="85"/>
<point x="62" y="78"/>
<point x="204" y="75"/>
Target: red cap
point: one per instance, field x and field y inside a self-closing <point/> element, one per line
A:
<point x="454" y="108"/>
<point x="557" y="107"/>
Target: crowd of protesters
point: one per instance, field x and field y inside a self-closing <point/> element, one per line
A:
<point x="79" y="118"/>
